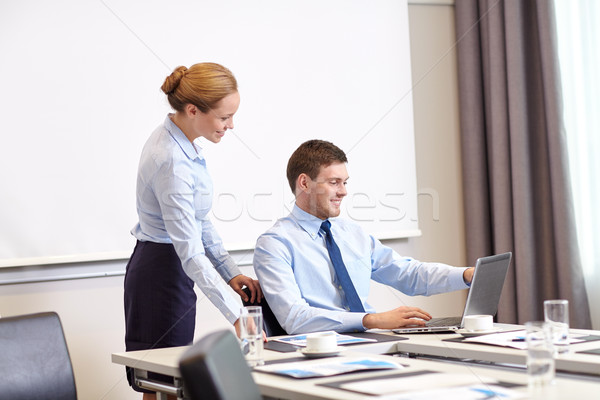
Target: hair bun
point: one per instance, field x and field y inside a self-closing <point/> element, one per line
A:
<point x="173" y="80"/>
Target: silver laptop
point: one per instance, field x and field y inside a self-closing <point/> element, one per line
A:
<point x="483" y="297"/>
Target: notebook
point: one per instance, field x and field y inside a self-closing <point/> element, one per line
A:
<point x="483" y="297"/>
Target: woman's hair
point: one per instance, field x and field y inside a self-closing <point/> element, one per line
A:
<point x="203" y="85"/>
<point x="310" y="157"/>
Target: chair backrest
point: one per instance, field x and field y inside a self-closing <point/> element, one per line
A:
<point x="215" y="369"/>
<point x="270" y="323"/>
<point x="34" y="359"/>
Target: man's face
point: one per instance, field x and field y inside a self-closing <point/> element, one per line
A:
<point x="327" y="191"/>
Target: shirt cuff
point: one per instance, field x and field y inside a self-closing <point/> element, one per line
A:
<point x="230" y="312"/>
<point x="228" y="270"/>
<point x="353" y="322"/>
<point x="456" y="278"/>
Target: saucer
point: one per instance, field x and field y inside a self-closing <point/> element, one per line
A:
<point x="467" y="333"/>
<point x="321" y="354"/>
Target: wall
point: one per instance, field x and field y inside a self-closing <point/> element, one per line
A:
<point x="91" y="309"/>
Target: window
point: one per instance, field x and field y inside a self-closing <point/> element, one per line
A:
<point x="578" y="35"/>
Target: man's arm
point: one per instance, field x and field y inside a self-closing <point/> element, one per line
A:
<point x="413" y="277"/>
<point x="405" y="316"/>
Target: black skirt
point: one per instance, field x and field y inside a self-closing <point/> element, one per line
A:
<point x="160" y="303"/>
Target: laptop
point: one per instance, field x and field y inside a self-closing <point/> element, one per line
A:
<point x="483" y="297"/>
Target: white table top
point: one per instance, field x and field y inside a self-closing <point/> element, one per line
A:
<point x="433" y="344"/>
<point x="166" y="360"/>
<point x="296" y="389"/>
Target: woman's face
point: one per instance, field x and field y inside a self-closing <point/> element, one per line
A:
<point x="213" y="124"/>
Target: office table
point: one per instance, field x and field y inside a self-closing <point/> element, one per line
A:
<point x="438" y="345"/>
<point x="165" y="361"/>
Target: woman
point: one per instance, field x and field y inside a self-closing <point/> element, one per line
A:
<point x="177" y="245"/>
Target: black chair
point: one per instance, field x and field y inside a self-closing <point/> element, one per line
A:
<point x="34" y="359"/>
<point x="215" y="369"/>
<point x="270" y="323"/>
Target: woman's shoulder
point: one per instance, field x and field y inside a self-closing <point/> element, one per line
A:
<point x="160" y="159"/>
<point x="160" y="147"/>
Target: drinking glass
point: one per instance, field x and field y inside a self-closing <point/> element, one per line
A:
<point x="540" y="353"/>
<point x="251" y="334"/>
<point x="556" y="313"/>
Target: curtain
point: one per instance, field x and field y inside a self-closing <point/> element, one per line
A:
<point x="515" y="167"/>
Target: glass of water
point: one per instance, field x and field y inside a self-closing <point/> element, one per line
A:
<point x="556" y="313"/>
<point x="251" y="334"/>
<point x="540" y="353"/>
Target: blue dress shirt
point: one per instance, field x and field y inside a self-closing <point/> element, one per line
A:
<point x="174" y="196"/>
<point x="299" y="282"/>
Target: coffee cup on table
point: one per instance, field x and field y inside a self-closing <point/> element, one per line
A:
<point x="478" y="323"/>
<point x="321" y="342"/>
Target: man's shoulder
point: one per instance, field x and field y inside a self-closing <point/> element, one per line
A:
<point x="282" y="228"/>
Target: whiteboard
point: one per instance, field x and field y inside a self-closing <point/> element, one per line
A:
<point x="81" y="94"/>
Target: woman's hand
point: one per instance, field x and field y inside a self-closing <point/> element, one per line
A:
<point x="238" y="330"/>
<point x="238" y="282"/>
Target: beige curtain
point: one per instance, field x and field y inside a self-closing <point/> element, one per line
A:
<point x="517" y="194"/>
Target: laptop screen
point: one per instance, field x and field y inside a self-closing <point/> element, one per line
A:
<point x="486" y="286"/>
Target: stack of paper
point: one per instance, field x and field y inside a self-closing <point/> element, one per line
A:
<point x="300" y="340"/>
<point x="328" y="367"/>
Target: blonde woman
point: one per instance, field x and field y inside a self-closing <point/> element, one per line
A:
<point x="177" y="244"/>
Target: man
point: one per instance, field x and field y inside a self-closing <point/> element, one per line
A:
<point x="298" y="266"/>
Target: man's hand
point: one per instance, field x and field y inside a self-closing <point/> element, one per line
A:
<point x="238" y="282"/>
<point x="397" y="318"/>
<point x="468" y="275"/>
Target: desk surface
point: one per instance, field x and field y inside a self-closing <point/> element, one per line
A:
<point x="165" y="361"/>
<point x="434" y="345"/>
<point x="289" y="388"/>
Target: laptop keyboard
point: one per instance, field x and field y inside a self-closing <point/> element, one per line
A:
<point x="448" y="321"/>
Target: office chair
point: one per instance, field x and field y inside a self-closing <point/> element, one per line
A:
<point x="34" y="359"/>
<point x="215" y="369"/>
<point x="270" y="323"/>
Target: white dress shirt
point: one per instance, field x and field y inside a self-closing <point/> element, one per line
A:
<point x="174" y="196"/>
<point x="300" y="285"/>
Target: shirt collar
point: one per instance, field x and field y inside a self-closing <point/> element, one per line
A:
<point x="308" y="222"/>
<point x="191" y="150"/>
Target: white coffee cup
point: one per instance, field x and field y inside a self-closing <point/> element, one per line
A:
<point x="475" y="323"/>
<point x="321" y="342"/>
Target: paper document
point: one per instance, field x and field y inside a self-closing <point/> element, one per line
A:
<point x="300" y="340"/>
<point x="514" y="339"/>
<point x="473" y="392"/>
<point x="327" y="367"/>
<point x="383" y="386"/>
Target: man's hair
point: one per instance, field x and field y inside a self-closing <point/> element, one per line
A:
<point x="310" y="157"/>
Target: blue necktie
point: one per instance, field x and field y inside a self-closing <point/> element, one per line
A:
<point x="341" y="271"/>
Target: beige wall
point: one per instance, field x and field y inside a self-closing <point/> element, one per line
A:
<point x="91" y="309"/>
